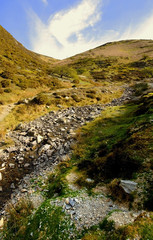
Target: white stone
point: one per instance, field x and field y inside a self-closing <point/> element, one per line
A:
<point x="27" y="165"/>
<point x="2" y="169"/>
<point x="11" y="165"/>
<point x="39" y="139"/>
<point x="1" y="222"/>
<point x="3" y="165"/>
<point x="128" y="186"/>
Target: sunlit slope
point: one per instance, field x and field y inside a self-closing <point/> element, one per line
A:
<point x="116" y="61"/>
<point x="20" y="68"/>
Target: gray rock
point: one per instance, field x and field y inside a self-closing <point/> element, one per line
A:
<point x="27" y="165"/>
<point x="12" y="186"/>
<point x="128" y="186"/>
<point x="11" y="165"/>
<point x="71" y="202"/>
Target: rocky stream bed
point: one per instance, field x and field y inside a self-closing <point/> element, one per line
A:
<point x="42" y="144"/>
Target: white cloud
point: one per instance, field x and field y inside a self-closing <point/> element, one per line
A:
<point x="45" y="2"/>
<point x="143" y="30"/>
<point x="53" y="39"/>
<point x="64" y="34"/>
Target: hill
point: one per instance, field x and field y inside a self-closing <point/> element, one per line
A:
<point x="124" y="60"/>
<point x="83" y="168"/>
<point x="20" y="68"/>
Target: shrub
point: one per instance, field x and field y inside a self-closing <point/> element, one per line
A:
<point x="91" y="95"/>
<point x="41" y="99"/>
<point x="8" y="90"/>
<point x="76" y="98"/>
<point x="55" y="185"/>
<point x="1" y="90"/>
<point x="5" y="83"/>
<point x="107" y="225"/>
<point x="6" y="74"/>
<point x="140" y="88"/>
<point x="18" y="213"/>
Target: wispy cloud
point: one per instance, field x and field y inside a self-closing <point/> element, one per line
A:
<point x="63" y="35"/>
<point x="142" y="30"/>
<point x="77" y="29"/>
<point x="45" y="2"/>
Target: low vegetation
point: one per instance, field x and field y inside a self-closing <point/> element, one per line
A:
<point x="117" y="145"/>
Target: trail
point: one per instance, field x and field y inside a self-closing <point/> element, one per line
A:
<point x="6" y="109"/>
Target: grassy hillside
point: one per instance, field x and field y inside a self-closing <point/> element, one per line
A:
<point x="118" y="145"/>
<point x="117" y="61"/>
<point x="20" y="69"/>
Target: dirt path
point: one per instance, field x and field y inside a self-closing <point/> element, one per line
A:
<point x="6" y="109"/>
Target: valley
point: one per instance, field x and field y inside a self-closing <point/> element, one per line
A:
<point x="76" y="142"/>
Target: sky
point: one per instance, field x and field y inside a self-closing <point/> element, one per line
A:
<point x="63" y="28"/>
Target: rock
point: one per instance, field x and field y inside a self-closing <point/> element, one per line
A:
<point x="67" y="201"/>
<point x="1" y="222"/>
<point x="39" y="139"/>
<point x="31" y="132"/>
<point x="11" y="149"/>
<point x="128" y="186"/>
<point x="23" y="190"/>
<point x="2" y="169"/>
<point x="44" y="148"/>
<point x="71" y="202"/>
<point x="27" y="165"/>
<point x="12" y="186"/>
<point x="1" y="176"/>
<point x="3" y="165"/>
<point x="11" y="165"/>
<point x="67" y="207"/>
<point x="89" y="180"/>
<point x="50" y="153"/>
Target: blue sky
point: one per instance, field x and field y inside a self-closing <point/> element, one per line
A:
<point x="62" y="28"/>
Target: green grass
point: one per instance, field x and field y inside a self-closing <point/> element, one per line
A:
<point x="118" y="145"/>
<point x="48" y="222"/>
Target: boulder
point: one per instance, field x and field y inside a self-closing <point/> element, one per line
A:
<point x="128" y="186"/>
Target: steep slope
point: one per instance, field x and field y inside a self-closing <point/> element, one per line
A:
<point x="20" y="68"/>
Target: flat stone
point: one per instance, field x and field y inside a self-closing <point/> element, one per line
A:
<point x="128" y="186"/>
<point x="23" y="190"/>
<point x="67" y="207"/>
<point x="11" y="165"/>
<point x="27" y="165"/>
